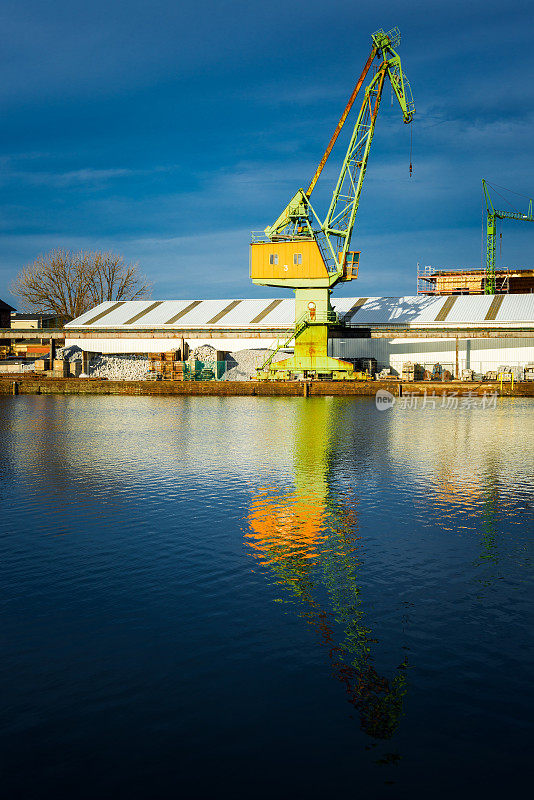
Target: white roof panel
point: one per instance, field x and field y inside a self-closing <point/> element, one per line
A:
<point x="343" y="304"/>
<point x="161" y="314"/>
<point x="91" y="313"/>
<point x="201" y="314"/>
<point x="429" y="308"/>
<point x="283" y="314"/>
<point x="469" y="308"/>
<point x="243" y="313"/>
<point x="122" y="314"/>
<point x="116" y="316"/>
<point x="516" y="308"/>
<point x="391" y="309"/>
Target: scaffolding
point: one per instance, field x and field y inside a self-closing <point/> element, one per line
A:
<point x="436" y="281"/>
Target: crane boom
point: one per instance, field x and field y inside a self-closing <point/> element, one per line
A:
<point x="341" y="122"/>
<point x="339" y="222"/>
<point x="341" y="215"/>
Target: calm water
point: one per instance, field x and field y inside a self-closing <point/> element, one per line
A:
<point x="279" y="597"/>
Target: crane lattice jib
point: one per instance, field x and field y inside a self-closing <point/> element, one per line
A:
<point x="492" y="214"/>
<point x="339" y="222"/>
<point x="342" y="120"/>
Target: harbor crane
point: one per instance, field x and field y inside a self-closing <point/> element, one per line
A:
<point x="492" y="215"/>
<point x="311" y="256"/>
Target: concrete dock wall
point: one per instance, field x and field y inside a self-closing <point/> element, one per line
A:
<point x="33" y="385"/>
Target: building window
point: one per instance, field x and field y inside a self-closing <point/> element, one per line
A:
<point x="273" y="258"/>
<point x="297" y="258"/>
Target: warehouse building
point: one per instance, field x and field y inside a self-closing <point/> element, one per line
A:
<point x="479" y="332"/>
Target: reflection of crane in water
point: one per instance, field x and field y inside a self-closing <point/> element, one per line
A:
<point x="478" y="497"/>
<point x="309" y="541"/>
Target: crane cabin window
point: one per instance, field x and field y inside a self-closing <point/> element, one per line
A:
<point x="297" y="258"/>
<point x="273" y="258"/>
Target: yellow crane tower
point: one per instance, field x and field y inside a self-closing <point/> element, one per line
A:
<point x="301" y="252"/>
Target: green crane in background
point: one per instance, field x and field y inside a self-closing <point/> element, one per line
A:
<point x="492" y="214"/>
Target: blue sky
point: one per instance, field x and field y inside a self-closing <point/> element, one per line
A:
<point x="167" y="131"/>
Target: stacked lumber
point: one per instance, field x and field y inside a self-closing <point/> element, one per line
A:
<point x="167" y="366"/>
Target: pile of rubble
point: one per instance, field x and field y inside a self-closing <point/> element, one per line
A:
<point x="205" y="353"/>
<point x="116" y="367"/>
<point x="69" y="353"/>
<point x="240" y="365"/>
<point x="127" y="367"/>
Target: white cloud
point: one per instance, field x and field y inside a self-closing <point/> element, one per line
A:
<point x="72" y="178"/>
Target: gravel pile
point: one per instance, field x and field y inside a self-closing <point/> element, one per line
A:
<point x="241" y="365"/>
<point x="204" y="353"/>
<point x="69" y="353"/>
<point x="127" y="367"/>
<point x="117" y="367"/>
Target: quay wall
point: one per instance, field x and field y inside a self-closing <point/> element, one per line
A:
<point x="24" y="384"/>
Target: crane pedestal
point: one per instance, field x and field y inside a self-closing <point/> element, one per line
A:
<point x="313" y="313"/>
<point x="306" y="364"/>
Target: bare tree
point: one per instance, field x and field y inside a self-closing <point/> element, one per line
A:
<point x="68" y="284"/>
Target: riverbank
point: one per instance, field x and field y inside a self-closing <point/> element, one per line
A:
<point x="24" y="384"/>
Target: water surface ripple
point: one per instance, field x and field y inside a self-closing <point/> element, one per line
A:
<point x="261" y="597"/>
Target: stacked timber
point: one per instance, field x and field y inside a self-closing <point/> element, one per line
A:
<point x="167" y="366"/>
<point x="412" y="372"/>
<point x="60" y="368"/>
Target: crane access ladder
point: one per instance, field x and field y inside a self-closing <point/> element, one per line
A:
<point x="330" y="318"/>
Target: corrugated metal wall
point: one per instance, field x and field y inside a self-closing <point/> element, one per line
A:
<point x="478" y="354"/>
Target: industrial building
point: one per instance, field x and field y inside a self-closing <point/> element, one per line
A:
<point x="22" y="321"/>
<point x="479" y="332"/>
<point x="5" y="314"/>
